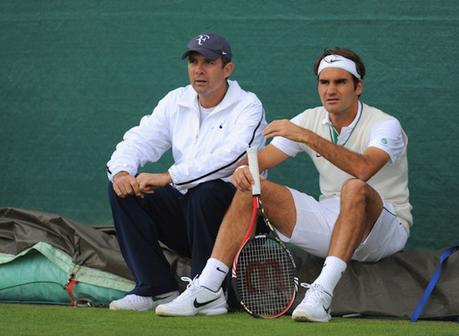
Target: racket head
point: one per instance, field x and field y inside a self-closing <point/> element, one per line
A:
<point x="264" y="277"/>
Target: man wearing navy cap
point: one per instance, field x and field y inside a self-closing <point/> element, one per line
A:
<point x="208" y="125"/>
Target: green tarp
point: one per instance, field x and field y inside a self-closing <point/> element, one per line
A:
<point x="41" y="274"/>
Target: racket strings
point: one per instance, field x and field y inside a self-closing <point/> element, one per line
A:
<point x="266" y="277"/>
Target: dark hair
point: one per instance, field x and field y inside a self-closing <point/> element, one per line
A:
<point x="345" y="53"/>
<point x="225" y="60"/>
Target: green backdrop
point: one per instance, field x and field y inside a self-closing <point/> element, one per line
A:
<point x="75" y="75"/>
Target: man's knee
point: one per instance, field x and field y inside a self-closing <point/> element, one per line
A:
<point x="355" y="191"/>
<point x="355" y="188"/>
<point x="113" y="198"/>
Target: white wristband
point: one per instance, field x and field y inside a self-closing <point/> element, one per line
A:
<point x="243" y="166"/>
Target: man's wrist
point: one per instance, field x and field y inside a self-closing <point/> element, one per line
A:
<point x="306" y="137"/>
<point x="119" y="174"/>
<point x="167" y="178"/>
<point x="240" y="167"/>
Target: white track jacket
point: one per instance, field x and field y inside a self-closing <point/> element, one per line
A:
<point x="202" y="151"/>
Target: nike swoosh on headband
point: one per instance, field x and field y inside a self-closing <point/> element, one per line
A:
<point x="338" y="61"/>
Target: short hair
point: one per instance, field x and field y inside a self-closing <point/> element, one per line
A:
<point x="225" y="60"/>
<point x="348" y="53"/>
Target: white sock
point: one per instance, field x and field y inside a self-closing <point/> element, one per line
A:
<point x="213" y="274"/>
<point x="331" y="273"/>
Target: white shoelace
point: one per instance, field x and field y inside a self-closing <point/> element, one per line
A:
<point x="190" y="281"/>
<point x="314" y="292"/>
<point x="190" y="288"/>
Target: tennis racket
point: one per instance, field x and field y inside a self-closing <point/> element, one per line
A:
<point x="264" y="272"/>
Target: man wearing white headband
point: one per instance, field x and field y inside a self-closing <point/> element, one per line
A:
<point x="341" y="62"/>
<point x="363" y="212"/>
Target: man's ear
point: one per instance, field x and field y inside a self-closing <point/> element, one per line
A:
<point x="359" y="88"/>
<point x="228" y="69"/>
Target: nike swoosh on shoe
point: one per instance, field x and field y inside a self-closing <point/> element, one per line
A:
<point x="197" y="304"/>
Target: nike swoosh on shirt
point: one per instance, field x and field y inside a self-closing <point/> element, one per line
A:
<point x="197" y="304"/>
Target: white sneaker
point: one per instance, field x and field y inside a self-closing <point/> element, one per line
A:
<point x="142" y="303"/>
<point x="315" y="305"/>
<point x="195" y="300"/>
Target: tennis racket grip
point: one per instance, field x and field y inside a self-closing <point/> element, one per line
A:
<point x="252" y="156"/>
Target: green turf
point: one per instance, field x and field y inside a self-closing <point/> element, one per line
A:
<point x="57" y="320"/>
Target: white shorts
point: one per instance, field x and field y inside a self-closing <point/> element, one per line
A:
<point x="315" y="221"/>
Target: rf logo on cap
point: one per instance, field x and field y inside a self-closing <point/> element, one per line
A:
<point x="209" y="44"/>
<point x="202" y="38"/>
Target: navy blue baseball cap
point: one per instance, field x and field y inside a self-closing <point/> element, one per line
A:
<point x="211" y="45"/>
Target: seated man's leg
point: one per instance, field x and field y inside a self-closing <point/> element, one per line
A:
<point x="140" y="223"/>
<point x="360" y="207"/>
<point x="204" y="209"/>
<point x="279" y="207"/>
<point x="278" y="203"/>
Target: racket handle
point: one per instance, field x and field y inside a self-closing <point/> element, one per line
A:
<point x="252" y="156"/>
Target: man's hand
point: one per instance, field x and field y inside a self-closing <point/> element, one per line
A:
<point x="125" y="184"/>
<point x="242" y="178"/>
<point x="286" y="129"/>
<point x="149" y="182"/>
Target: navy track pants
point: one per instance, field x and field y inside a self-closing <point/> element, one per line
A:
<point x="187" y="224"/>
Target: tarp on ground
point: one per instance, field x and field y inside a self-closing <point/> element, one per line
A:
<point x="389" y="288"/>
<point x="40" y="253"/>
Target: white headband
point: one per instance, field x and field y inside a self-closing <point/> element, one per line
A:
<point x="338" y="61"/>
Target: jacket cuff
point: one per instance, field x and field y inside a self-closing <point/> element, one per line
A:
<point x="113" y="170"/>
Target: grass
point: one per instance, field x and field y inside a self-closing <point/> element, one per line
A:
<point x="35" y="320"/>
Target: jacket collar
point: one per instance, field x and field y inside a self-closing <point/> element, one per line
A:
<point x="190" y="97"/>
